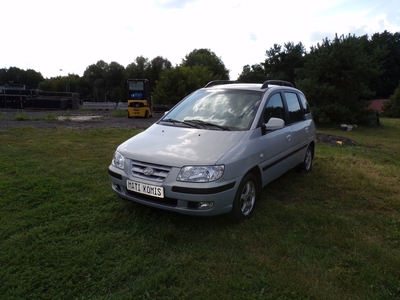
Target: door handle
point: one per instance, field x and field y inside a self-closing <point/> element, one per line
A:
<point x="289" y="137"/>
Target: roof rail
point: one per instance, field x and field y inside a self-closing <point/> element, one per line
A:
<point x="276" y="82"/>
<point x="218" y="82"/>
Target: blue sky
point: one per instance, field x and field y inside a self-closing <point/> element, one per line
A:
<point x="48" y="35"/>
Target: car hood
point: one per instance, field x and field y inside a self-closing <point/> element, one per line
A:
<point x="177" y="146"/>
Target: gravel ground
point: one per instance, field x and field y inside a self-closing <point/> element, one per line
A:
<point x="13" y="118"/>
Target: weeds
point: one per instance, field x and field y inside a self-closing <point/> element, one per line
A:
<point x="119" y="113"/>
<point x="22" y="117"/>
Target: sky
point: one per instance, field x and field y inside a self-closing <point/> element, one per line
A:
<point x="49" y="36"/>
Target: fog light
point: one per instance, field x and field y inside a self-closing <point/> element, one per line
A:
<point x="116" y="187"/>
<point x="205" y="205"/>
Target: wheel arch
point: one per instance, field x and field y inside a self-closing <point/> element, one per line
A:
<point x="312" y="145"/>
<point x="257" y="173"/>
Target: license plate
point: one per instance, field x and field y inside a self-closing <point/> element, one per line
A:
<point x="146" y="189"/>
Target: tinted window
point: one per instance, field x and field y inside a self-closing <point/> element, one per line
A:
<point x="274" y="108"/>
<point x="294" y="107"/>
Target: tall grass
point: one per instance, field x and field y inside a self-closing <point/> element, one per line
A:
<point x="330" y="234"/>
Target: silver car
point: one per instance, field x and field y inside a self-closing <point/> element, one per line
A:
<point x="215" y="150"/>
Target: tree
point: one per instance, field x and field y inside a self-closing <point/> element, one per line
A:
<point x="207" y="58"/>
<point x="281" y="63"/>
<point x="176" y="83"/>
<point x="101" y="80"/>
<point x="70" y="83"/>
<point x="335" y="79"/>
<point x="157" y="66"/>
<point x="391" y="108"/>
<point x="151" y="70"/>
<point x="255" y="73"/>
<point x="30" y="78"/>
<point x="390" y="43"/>
<point x="138" y="69"/>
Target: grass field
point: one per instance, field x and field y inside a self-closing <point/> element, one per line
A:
<point x="330" y="234"/>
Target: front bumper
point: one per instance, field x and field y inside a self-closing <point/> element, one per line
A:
<point x="180" y="197"/>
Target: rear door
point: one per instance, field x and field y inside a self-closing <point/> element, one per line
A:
<point x="299" y="126"/>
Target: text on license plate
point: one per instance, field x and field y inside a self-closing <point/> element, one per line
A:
<point x="147" y="189"/>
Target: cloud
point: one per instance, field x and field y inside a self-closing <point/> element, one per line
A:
<point x="172" y="4"/>
<point x="253" y="37"/>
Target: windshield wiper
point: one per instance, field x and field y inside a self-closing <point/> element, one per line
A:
<point x="175" y="122"/>
<point x="207" y="124"/>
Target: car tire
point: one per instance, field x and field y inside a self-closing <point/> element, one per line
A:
<point x="245" y="199"/>
<point x="306" y="165"/>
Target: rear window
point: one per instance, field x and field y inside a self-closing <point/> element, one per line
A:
<point x="294" y="107"/>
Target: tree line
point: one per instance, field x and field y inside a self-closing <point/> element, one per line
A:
<point x="338" y="76"/>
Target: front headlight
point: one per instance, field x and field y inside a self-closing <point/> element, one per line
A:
<point x="118" y="160"/>
<point x="201" y="173"/>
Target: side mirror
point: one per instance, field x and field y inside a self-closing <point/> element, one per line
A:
<point x="273" y="124"/>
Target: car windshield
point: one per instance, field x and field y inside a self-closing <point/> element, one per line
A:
<point x="216" y="110"/>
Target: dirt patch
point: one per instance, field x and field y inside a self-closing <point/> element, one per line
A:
<point x="334" y="140"/>
<point x="14" y="118"/>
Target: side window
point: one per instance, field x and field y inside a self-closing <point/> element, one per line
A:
<point x="274" y="108"/>
<point x="294" y="108"/>
<point x="305" y="105"/>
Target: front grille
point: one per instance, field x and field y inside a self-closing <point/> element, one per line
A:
<point x="159" y="172"/>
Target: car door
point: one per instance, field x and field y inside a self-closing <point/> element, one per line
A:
<point x="299" y="126"/>
<point x="276" y="144"/>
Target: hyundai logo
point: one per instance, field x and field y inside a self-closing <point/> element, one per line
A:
<point x="148" y="171"/>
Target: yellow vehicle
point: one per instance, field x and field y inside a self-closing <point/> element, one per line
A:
<point x="139" y="99"/>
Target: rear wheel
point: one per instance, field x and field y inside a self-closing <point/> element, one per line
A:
<point x="306" y="165"/>
<point x="245" y="199"/>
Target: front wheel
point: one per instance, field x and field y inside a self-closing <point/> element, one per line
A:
<point x="245" y="199"/>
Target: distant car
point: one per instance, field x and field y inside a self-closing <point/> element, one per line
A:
<point x="215" y="150"/>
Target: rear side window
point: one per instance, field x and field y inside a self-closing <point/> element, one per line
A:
<point x="294" y="108"/>
<point x="305" y="105"/>
<point x="274" y="108"/>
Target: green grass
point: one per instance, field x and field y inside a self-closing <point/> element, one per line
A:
<point x="330" y="234"/>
